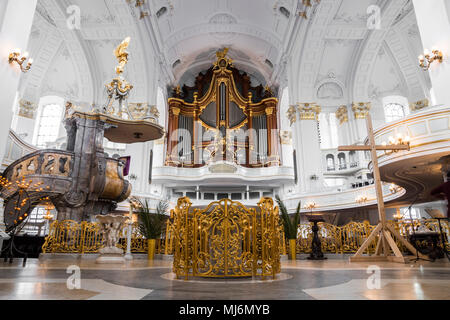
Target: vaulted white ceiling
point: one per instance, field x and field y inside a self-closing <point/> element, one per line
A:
<point x="331" y="57"/>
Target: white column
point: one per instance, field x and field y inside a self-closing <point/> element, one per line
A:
<point x="297" y="141"/>
<point x="344" y="133"/>
<point x="311" y="155"/>
<point x="15" y="28"/>
<point x="434" y="25"/>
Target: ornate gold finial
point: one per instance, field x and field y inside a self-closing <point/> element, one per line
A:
<point x="177" y="91"/>
<point x="122" y="55"/>
<point x="222" y="54"/>
<point x="222" y="60"/>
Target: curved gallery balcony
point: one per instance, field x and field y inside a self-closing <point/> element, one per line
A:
<point x="420" y="169"/>
<point x="222" y="172"/>
<point x="346" y="199"/>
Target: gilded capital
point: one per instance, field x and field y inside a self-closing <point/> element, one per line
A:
<point x="309" y="111"/>
<point x="175" y="111"/>
<point x="342" y="114"/>
<point x="269" y="111"/>
<point x="361" y="109"/>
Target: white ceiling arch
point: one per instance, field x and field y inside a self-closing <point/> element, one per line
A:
<point x="367" y="54"/>
<point x="187" y="30"/>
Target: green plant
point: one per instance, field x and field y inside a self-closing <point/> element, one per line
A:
<point x="151" y="225"/>
<point x="290" y="224"/>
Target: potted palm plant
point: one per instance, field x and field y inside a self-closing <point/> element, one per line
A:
<point x="290" y="225"/>
<point x="151" y="224"/>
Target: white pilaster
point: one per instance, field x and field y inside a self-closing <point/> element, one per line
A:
<point x="434" y="25"/>
<point x="15" y="30"/>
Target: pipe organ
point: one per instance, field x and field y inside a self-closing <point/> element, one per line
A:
<point x="222" y="118"/>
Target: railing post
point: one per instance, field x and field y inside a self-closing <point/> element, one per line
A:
<point x="167" y="237"/>
<point x="83" y="235"/>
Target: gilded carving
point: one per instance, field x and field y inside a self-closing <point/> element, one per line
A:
<point x="342" y="114"/>
<point x="419" y="105"/>
<point x="230" y="240"/>
<point x="292" y="114"/>
<point x="27" y="109"/>
<point x="361" y="109"/>
<point x="309" y="111"/>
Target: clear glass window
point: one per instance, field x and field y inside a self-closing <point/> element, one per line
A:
<point x="49" y="123"/>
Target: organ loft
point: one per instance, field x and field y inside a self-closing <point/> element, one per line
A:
<point x="223" y="118"/>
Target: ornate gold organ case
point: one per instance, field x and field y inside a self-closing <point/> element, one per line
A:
<point x="222" y="118"/>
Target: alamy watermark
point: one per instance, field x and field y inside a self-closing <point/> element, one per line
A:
<point x="374" y="280"/>
<point x="74" y="20"/>
<point x="374" y="17"/>
<point x="74" y="280"/>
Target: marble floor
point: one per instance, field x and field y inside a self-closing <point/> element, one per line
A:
<point x="332" y="279"/>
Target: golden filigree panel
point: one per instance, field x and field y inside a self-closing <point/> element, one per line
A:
<point x="226" y="239"/>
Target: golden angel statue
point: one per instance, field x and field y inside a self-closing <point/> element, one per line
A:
<point x="122" y="55"/>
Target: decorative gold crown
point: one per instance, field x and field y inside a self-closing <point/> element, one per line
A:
<point x="222" y="61"/>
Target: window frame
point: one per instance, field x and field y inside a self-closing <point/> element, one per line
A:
<point x="45" y="102"/>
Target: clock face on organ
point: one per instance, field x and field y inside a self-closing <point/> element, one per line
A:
<point x="223" y="118"/>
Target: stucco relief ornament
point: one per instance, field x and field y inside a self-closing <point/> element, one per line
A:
<point x="138" y="110"/>
<point x="418" y="105"/>
<point x="27" y="109"/>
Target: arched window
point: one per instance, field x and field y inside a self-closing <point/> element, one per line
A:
<point x="330" y="163"/>
<point x="395" y="108"/>
<point x="394" y="111"/>
<point x="49" y="121"/>
<point x="342" y="162"/>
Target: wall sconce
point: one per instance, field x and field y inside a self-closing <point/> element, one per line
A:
<point x="361" y="199"/>
<point x="15" y="57"/>
<point x="427" y="59"/>
<point x="310" y="205"/>
<point x="132" y="176"/>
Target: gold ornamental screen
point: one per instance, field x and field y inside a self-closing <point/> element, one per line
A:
<point x="226" y="239"/>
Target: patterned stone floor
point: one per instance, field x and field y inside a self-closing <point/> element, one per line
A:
<point x="334" y="278"/>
